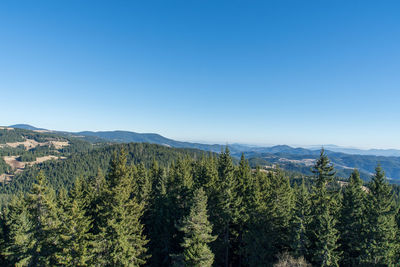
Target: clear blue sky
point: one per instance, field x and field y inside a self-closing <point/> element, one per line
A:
<point x="265" y="72"/>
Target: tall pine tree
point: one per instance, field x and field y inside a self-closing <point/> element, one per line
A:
<point x="300" y="221"/>
<point x="324" y="235"/>
<point x="44" y="216"/>
<point x="352" y="221"/>
<point x="269" y="231"/>
<point x="76" y="238"/>
<point x="122" y="234"/>
<point x="227" y="212"/>
<point x="18" y="234"/>
<point x="197" y="234"/>
<point x="381" y="227"/>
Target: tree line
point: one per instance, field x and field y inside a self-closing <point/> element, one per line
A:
<point x="202" y="212"/>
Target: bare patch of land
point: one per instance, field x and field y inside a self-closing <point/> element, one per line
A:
<point x="42" y="131"/>
<point x="343" y="184"/>
<point x="30" y="143"/>
<point x="19" y="166"/>
<point x="5" y="178"/>
<point x="306" y="162"/>
<point x="45" y="158"/>
<point x="14" y="163"/>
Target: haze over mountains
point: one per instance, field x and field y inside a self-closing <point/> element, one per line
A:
<point x="153" y="138"/>
<point x="293" y="159"/>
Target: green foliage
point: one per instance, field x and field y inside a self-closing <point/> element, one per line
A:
<point x="197" y="234"/>
<point x="227" y="210"/>
<point x="158" y="206"/>
<point x="33" y="227"/>
<point x="299" y="240"/>
<point x="87" y="163"/>
<point x="17" y="232"/>
<point x="323" y="234"/>
<point x="123" y="231"/>
<point x="352" y="223"/>
<point x="381" y="228"/>
<point x="75" y="228"/>
<point x="270" y="215"/>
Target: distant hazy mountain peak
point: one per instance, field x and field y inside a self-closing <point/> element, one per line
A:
<point x="26" y="127"/>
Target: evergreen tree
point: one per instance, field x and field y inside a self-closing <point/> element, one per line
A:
<point x="122" y="234"/>
<point x="97" y="201"/>
<point x="269" y="232"/>
<point x="197" y="234"/>
<point x="3" y="238"/>
<point x="245" y="191"/>
<point x="352" y="221"/>
<point x="142" y="179"/>
<point x="381" y="226"/>
<point x="159" y="219"/>
<point x="206" y="175"/>
<point x="75" y="230"/>
<point x="179" y="192"/>
<point x="397" y="253"/>
<point x="228" y="210"/>
<point x="300" y="221"/>
<point x="44" y="216"/>
<point x="324" y="235"/>
<point x="323" y="170"/>
<point x="254" y="238"/>
<point x="18" y="237"/>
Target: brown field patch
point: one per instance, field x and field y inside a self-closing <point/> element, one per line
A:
<point x="16" y="164"/>
<point x="19" y="166"/>
<point x="5" y="178"/>
<point x="30" y="143"/>
<point x="58" y="144"/>
<point x="13" y="162"/>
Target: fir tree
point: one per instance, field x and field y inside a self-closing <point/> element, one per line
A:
<point x="75" y="234"/>
<point x="44" y="216"/>
<point x="246" y="193"/>
<point x="179" y="192"/>
<point x="323" y="170"/>
<point x="352" y="221"/>
<point x="122" y="234"/>
<point x="300" y="221"/>
<point x="159" y="219"/>
<point x="97" y="201"/>
<point x="142" y="179"/>
<point x="381" y="226"/>
<point x="17" y="249"/>
<point x="324" y="235"/>
<point x="228" y="209"/>
<point x="197" y="234"/>
<point x="3" y="237"/>
<point x="269" y="232"/>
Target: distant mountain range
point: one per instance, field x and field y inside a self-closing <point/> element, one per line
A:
<point x="295" y="159"/>
<point x="357" y="151"/>
<point x="26" y="127"/>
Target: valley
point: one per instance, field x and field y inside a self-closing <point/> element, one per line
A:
<point x="292" y="159"/>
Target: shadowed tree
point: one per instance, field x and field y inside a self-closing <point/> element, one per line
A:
<point x="197" y="234"/>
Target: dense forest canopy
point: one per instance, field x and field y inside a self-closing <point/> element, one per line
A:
<point x="288" y="158"/>
<point x="148" y="205"/>
<point x="140" y="204"/>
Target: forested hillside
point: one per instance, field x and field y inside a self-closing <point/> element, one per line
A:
<point x="64" y="172"/>
<point x="156" y="206"/>
<point x="292" y="159"/>
<point x="22" y="149"/>
<point x="300" y="160"/>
